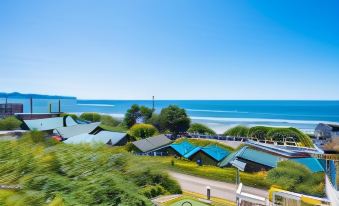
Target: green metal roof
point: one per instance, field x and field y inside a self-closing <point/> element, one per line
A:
<point x="227" y="160"/>
<point x="311" y="163"/>
<point x="183" y="147"/>
<point x="259" y="157"/>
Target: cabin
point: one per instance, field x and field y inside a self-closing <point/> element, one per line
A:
<point x="105" y="137"/>
<point x="180" y="149"/>
<point x="156" y="145"/>
<point x="208" y="155"/>
<point x="10" y="109"/>
<point x="251" y="160"/>
<point x="326" y="132"/>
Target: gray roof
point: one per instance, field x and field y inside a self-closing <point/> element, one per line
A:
<point x="152" y="143"/>
<point x="101" y="137"/>
<point x="67" y="132"/>
<point x="49" y="123"/>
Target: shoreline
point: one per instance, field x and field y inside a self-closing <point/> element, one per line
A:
<point x="220" y="125"/>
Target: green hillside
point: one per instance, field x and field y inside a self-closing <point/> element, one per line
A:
<point x="57" y="174"/>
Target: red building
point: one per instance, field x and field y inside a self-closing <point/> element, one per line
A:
<point x="10" y="109"/>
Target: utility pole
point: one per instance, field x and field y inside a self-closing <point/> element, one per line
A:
<point x="153" y="103"/>
<point x="31" y="101"/>
<point x="6" y="105"/>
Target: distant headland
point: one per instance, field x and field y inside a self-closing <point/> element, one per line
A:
<point x="18" y="95"/>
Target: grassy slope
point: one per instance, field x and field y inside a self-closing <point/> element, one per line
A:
<point x="78" y="175"/>
<point x="114" y="129"/>
<point x="204" y="142"/>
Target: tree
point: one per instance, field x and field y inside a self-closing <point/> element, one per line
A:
<point x="109" y="120"/>
<point x="90" y="116"/>
<point x="10" y="123"/>
<point x="201" y="129"/>
<point x="154" y="120"/>
<point x="238" y="131"/>
<point x="174" y="119"/>
<point x="137" y="114"/>
<point x="141" y="131"/>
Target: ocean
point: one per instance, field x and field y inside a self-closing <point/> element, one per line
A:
<point x="218" y="114"/>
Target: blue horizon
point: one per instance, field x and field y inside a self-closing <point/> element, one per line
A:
<point x="255" y="50"/>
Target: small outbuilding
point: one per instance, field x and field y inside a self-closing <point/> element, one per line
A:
<point x="326" y="132"/>
<point x="209" y="155"/>
<point x="257" y="160"/>
<point x="157" y="144"/>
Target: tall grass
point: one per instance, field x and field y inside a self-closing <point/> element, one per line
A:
<point x="56" y="174"/>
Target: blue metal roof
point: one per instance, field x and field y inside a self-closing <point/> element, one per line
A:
<point x="183" y="147"/>
<point x="259" y="157"/>
<point x="215" y="152"/>
<point x="311" y="163"/>
<point x="192" y="152"/>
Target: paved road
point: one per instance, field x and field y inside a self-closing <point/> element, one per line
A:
<point x="218" y="189"/>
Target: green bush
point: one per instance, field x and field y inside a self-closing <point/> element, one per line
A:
<point x="109" y="121"/>
<point x="10" y="123"/>
<point x="90" y="116"/>
<point x="201" y="129"/>
<point x="295" y="177"/>
<point x="141" y="131"/>
<point x="238" y="131"/>
<point x="34" y="136"/>
<point x="151" y="191"/>
<point x="154" y="120"/>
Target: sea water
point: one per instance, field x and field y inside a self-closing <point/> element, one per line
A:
<point x="218" y="114"/>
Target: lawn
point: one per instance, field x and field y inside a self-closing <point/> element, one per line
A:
<point x="194" y="199"/>
<point x="187" y="202"/>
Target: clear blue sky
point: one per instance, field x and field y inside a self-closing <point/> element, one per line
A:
<point x="171" y="49"/>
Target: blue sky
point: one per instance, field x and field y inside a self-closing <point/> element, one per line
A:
<point x="171" y="49"/>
